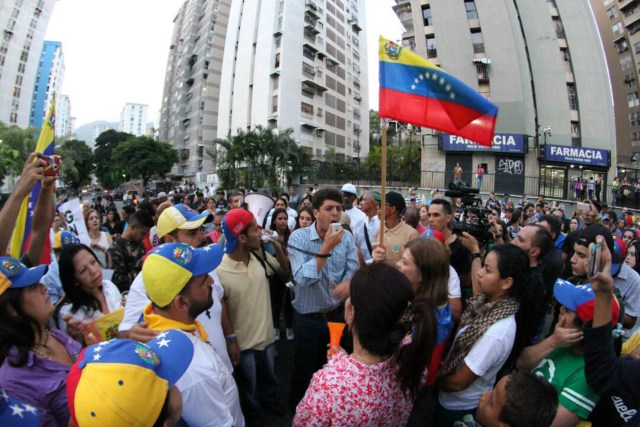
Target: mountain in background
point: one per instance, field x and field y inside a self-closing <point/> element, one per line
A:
<point x="89" y="132"/>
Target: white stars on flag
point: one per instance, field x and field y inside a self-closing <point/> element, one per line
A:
<point x="17" y="410"/>
<point x="433" y="77"/>
<point x="163" y="343"/>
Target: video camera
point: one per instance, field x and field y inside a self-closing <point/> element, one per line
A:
<point x="475" y="220"/>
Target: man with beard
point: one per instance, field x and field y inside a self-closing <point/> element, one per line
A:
<point x="178" y="283"/>
<point x="180" y="224"/>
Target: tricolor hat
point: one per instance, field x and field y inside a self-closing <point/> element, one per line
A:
<point x="64" y="238"/>
<point x="169" y="267"/>
<point x="181" y="217"/>
<point x="16" y="413"/>
<point x="15" y="275"/>
<point x="124" y="382"/>
<point x="581" y="299"/>
<point x="233" y="224"/>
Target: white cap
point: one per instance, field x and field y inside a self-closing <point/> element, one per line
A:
<point x="349" y="188"/>
<point x="161" y="195"/>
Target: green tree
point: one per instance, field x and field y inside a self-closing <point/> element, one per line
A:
<point x="107" y="171"/>
<point x="77" y="163"/>
<point x="144" y="157"/>
<point x="15" y="146"/>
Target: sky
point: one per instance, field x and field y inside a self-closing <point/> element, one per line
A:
<point x="115" y="51"/>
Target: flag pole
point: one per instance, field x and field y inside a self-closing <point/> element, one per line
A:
<point x="383" y="179"/>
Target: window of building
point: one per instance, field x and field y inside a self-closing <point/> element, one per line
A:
<point x="607" y="2"/>
<point x="566" y="57"/>
<point x="632" y="99"/>
<point x="617" y="29"/>
<point x="626" y="62"/>
<point x="634" y="118"/>
<point x="630" y="80"/>
<point x="612" y="12"/>
<point x="470" y="6"/>
<point x="557" y="23"/>
<point x="306" y="108"/>
<point x="478" y="42"/>
<point x="621" y="45"/>
<point x="432" y="51"/>
<point x="274" y="104"/>
<point x="575" y="129"/>
<point x="636" y="47"/>
<point x="426" y="15"/>
<point x="573" y="99"/>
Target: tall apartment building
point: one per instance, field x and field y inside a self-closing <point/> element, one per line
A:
<point x="543" y="64"/>
<point x="133" y="119"/>
<point x="48" y="81"/>
<point x="189" y="112"/>
<point x="23" y="24"/>
<point x="64" y="121"/>
<point x="619" y="23"/>
<point x="301" y="65"/>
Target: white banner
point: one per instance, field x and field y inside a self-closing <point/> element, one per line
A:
<point x="75" y="221"/>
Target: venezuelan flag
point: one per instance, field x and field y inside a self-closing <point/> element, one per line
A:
<point x="22" y="231"/>
<point x="414" y="90"/>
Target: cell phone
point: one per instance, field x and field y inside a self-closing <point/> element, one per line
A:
<point x="585" y="207"/>
<point x="52" y="166"/>
<point x="595" y="259"/>
<point x="335" y="227"/>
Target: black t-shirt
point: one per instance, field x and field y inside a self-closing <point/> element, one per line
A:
<point x="460" y="260"/>
<point x="615" y="410"/>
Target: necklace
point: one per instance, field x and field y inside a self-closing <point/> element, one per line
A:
<point x="44" y="354"/>
<point x="95" y="237"/>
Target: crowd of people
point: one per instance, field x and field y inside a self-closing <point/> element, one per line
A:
<point x="517" y="313"/>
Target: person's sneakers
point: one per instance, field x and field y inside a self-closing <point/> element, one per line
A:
<point x="276" y="334"/>
<point x="290" y="335"/>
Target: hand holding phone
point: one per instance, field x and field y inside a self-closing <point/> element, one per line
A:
<point x="335" y="227"/>
<point x="595" y="259"/>
<point x="584" y="207"/>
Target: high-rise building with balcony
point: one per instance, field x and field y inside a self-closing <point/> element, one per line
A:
<point x="619" y="23"/>
<point x="133" y="119"/>
<point x="64" y="121"/>
<point x="300" y="65"/>
<point x="543" y="64"/>
<point x="23" y="24"/>
<point x="48" y="82"/>
<point x="189" y="112"/>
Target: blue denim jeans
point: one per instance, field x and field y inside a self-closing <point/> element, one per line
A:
<point x="256" y="378"/>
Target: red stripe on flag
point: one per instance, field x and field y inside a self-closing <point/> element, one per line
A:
<point x="437" y="114"/>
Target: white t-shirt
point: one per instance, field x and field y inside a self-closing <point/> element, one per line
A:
<point x="112" y="297"/>
<point x="485" y="359"/>
<point x="209" y="392"/>
<point x="454" y="283"/>
<point x="291" y="219"/>
<point x="138" y="300"/>
<point x="358" y="221"/>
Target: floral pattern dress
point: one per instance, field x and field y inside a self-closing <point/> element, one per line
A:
<point x="347" y="392"/>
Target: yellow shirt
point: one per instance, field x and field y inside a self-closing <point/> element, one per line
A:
<point x="631" y="344"/>
<point x="395" y="239"/>
<point x="246" y="291"/>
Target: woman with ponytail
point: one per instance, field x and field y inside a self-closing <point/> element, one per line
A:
<point x="393" y="337"/>
<point x="486" y="333"/>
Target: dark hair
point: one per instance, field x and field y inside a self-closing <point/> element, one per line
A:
<point x="635" y="244"/>
<point x="528" y="289"/>
<point x="306" y="209"/>
<point x="530" y="401"/>
<point x="141" y="218"/>
<point x="495" y="207"/>
<point x="74" y="293"/>
<point x="515" y="218"/>
<point x="446" y="205"/>
<point x="146" y="206"/>
<point x="116" y="215"/>
<point x="326" y="194"/>
<point x="412" y="216"/>
<point x="541" y="239"/>
<point x="432" y="261"/>
<point x="16" y="328"/>
<point x="554" y="223"/>
<point x="384" y="314"/>
<point x="272" y="226"/>
<point x="130" y="209"/>
<point x="506" y="237"/>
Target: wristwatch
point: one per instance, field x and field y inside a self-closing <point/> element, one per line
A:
<point x="475" y="255"/>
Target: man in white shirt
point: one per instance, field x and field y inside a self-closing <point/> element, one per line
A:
<point x="370" y="206"/>
<point x="358" y="218"/>
<point x="178" y="283"/>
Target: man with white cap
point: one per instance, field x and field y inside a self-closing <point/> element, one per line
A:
<point x="358" y="218"/>
<point x="181" y="224"/>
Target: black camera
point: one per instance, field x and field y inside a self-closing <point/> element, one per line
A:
<point x="474" y="215"/>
